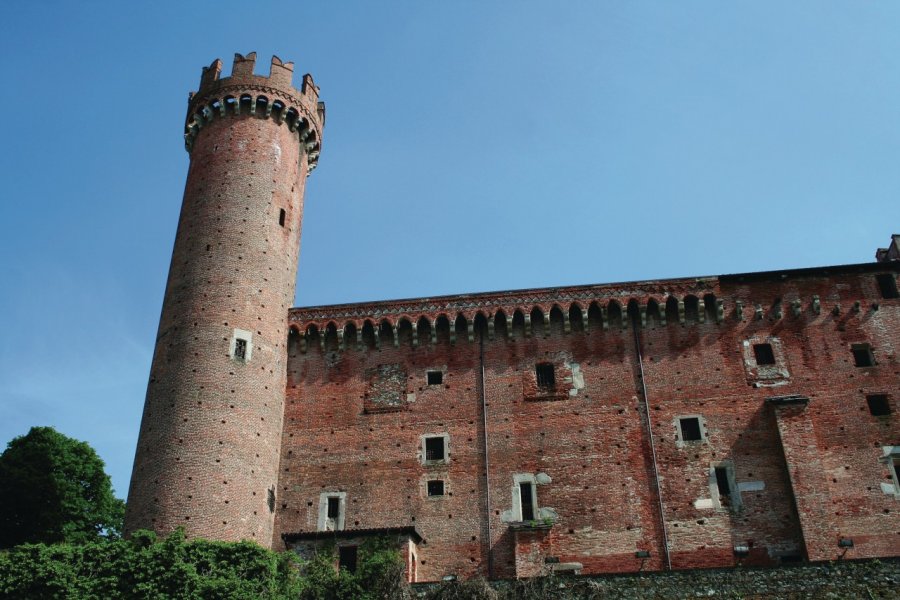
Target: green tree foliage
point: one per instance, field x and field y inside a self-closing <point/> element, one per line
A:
<point x="54" y="489"/>
<point x="145" y="567"/>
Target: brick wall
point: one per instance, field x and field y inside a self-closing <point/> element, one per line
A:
<point x="584" y="443"/>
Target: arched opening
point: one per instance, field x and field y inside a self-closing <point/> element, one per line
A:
<point x="653" y="316"/>
<point x="386" y="333"/>
<point x="349" y="335"/>
<point x="368" y="334"/>
<point x="293" y="342"/>
<point x="481" y="327"/>
<point x="278" y="108"/>
<point x="709" y="305"/>
<point x="691" y="309"/>
<point x="595" y="317"/>
<point x="461" y="328"/>
<point x="634" y="313"/>
<point x="312" y="337"/>
<point x="261" y="103"/>
<point x="500" y="325"/>
<point x="576" y="319"/>
<point x="537" y="322"/>
<point x="423" y="330"/>
<point x="245" y="102"/>
<point x="442" y="329"/>
<point x="672" y="310"/>
<point x="215" y="106"/>
<point x="331" y="337"/>
<point x="614" y="314"/>
<point x="557" y="321"/>
<point x="518" y="324"/>
<point x="231" y="104"/>
<point x="291" y="117"/>
<point x="404" y="332"/>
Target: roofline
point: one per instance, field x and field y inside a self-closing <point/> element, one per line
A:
<point x="781" y="274"/>
<point x="350" y="533"/>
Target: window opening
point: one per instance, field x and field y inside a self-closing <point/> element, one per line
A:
<point x="435" y="377"/>
<point x="764" y="354"/>
<point x="690" y="429"/>
<point x="878" y="405"/>
<point x="723" y="485"/>
<point x="545" y="375"/>
<point x="887" y="283"/>
<point x="240" y="349"/>
<point x="526" y="496"/>
<point x="347" y="556"/>
<point x="435" y="487"/>
<point x="270" y="498"/>
<point x="862" y="355"/>
<point x="281" y="216"/>
<point x="334" y="508"/>
<point x="434" y="449"/>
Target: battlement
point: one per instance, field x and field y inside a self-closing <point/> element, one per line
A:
<point x="273" y="96"/>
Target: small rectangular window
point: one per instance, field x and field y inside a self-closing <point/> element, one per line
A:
<point x="435" y="487"/>
<point x="690" y="429"/>
<point x="434" y="449"/>
<point x="887" y="284"/>
<point x="435" y="377"/>
<point x="526" y="497"/>
<point x="878" y="405"/>
<point x="764" y="354"/>
<point x="334" y="508"/>
<point x="862" y="355"/>
<point x="281" y="216"/>
<point x="240" y="349"/>
<point x="545" y="375"/>
<point x="347" y="557"/>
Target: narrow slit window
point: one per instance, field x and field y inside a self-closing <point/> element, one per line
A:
<point x="347" y="558"/>
<point x="240" y="349"/>
<point x="887" y="284"/>
<point x="722" y="482"/>
<point x="435" y="377"/>
<point x="526" y="496"/>
<point x="690" y="429"/>
<point x="878" y="405"/>
<point x="281" y="215"/>
<point x="862" y="355"/>
<point x="334" y="508"/>
<point x="546" y="378"/>
<point x="435" y="487"/>
<point x="764" y="354"/>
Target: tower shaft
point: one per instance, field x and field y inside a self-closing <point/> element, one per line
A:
<point x="208" y="451"/>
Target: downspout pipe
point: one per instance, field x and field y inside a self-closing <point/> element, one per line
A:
<point x="487" y="463"/>
<point x="635" y="325"/>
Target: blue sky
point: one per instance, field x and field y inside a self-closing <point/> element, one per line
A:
<point x="470" y="146"/>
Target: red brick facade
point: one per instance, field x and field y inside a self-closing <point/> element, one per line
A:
<point x="740" y="419"/>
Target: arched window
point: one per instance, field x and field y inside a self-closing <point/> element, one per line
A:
<point x="595" y="317"/>
<point x="501" y="325"/>
<point x="368" y="334"/>
<point x="576" y="320"/>
<point x="481" y="327"/>
<point x="386" y="333"/>
<point x="709" y="305"/>
<point x="442" y="328"/>
<point x="404" y="332"/>
<point x="614" y="314"/>
<point x="461" y="327"/>
<point x="518" y="324"/>
<point x="634" y="313"/>
<point x="537" y="322"/>
<point x="423" y="330"/>
<point x="691" y="309"/>
<point x="557" y="321"/>
<point x="349" y="335"/>
<point x="653" y="316"/>
<point x="331" y="337"/>
<point x="672" y="310"/>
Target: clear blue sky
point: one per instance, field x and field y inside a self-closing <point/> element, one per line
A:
<point x="469" y="146"/>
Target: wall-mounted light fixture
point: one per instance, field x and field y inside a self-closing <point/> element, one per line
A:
<point x="845" y="543"/>
<point x="742" y="550"/>
<point x="642" y="554"/>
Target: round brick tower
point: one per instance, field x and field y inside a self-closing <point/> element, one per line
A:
<point x="208" y="452"/>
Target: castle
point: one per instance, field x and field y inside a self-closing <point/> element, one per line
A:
<point x="669" y="424"/>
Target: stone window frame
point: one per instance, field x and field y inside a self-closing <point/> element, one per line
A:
<point x="445" y="489"/>
<point x="423" y="453"/>
<point x="241" y="334"/>
<point x="680" y="442"/>
<point x="518" y="480"/>
<point x="736" y="503"/>
<point x="322" y="521"/>
<point x="428" y="373"/>
<point x="891" y="460"/>
<point x="762" y="373"/>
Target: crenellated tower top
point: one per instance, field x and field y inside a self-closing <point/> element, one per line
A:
<point x="272" y="97"/>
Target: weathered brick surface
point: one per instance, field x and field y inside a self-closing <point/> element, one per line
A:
<point x="210" y="434"/>
<point x="589" y="434"/>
